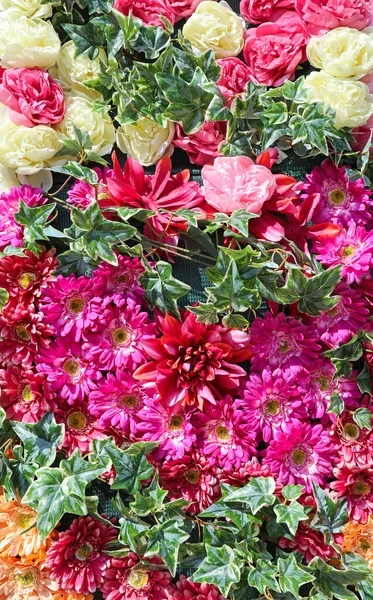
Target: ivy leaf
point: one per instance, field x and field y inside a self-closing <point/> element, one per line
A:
<point x="4" y="297"/>
<point x="131" y="531"/>
<point x="206" y="313"/>
<point x="292" y="576"/>
<point x="57" y="491"/>
<point x="317" y="290"/>
<point x="151" y="41"/>
<point x="131" y="465"/>
<point x="364" y="380"/>
<point x="335" y="582"/>
<point x="165" y="540"/>
<point x="235" y="321"/>
<point x="139" y="213"/>
<point x="239" y="219"/>
<point x="40" y="440"/>
<point x="331" y="517"/>
<point x="34" y="221"/>
<point x="275" y="114"/>
<point x="22" y="472"/>
<point x="150" y="500"/>
<point x="162" y="289"/>
<point x="74" y="169"/>
<point x="99" y="454"/>
<point x="292" y="492"/>
<point x="290" y="514"/>
<point x="220" y="567"/>
<point x="257" y="493"/>
<point x="87" y="38"/>
<point x="336" y="405"/>
<point x="87" y="219"/>
<point x="363" y="418"/>
<point x="263" y="576"/>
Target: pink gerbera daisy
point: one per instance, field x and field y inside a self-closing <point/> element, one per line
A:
<point x="11" y="233"/>
<point x="282" y="342"/>
<point x="355" y="444"/>
<point x="120" y="343"/>
<point x="122" y="281"/>
<point x="355" y="484"/>
<point x="353" y="249"/>
<point x="303" y="455"/>
<point x="80" y="427"/>
<point x="125" y="579"/>
<point x="168" y="425"/>
<point x="186" y="590"/>
<point x="272" y="402"/>
<point x="72" y="305"/>
<point x="25" y="395"/>
<point x="68" y="371"/>
<point x="118" y="401"/>
<point x="339" y="324"/>
<point x="224" y="435"/>
<point x="308" y="542"/>
<point x="82" y="194"/>
<point x="24" y="333"/>
<point x="77" y="560"/>
<point x="341" y="201"/>
<point x="24" y="276"/>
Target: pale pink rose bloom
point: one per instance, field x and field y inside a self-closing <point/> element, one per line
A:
<point x="149" y="11"/>
<point x="235" y="182"/>
<point x="321" y="16"/>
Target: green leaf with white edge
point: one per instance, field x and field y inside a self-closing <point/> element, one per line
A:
<point x="336" y="405"/>
<point x="87" y="219"/>
<point x="292" y="492"/>
<point x="163" y="289"/>
<point x="334" y="583"/>
<point x="151" y="41"/>
<point x="88" y="38"/>
<point x="330" y="517"/>
<point x="239" y="219"/>
<point x="22" y="472"/>
<point x="206" y="313"/>
<point x="291" y="575"/>
<point x="275" y="114"/>
<point x="131" y="28"/>
<point x="34" y="221"/>
<point x="4" y="297"/>
<point x="40" y="440"/>
<point x="221" y="567"/>
<point x="235" y="321"/>
<point x="351" y="351"/>
<point x="164" y="540"/>
<point x="131" y="534"/>
<point x="58" y="491"/>
<point x="364" y="380"/>
<point x="317" y="290"/>
<point x="257" y="493"/>
<point x="291" y="515"/>
<point x="99" y="455"/>
<point x="150" y="500"/>
<point x="131" y="465"/>
<point x="74" y="169"/>
<point x="140" y="214"/>
<point x="264" y="576"/>
<point x="363" y="418"/>
<point x="294" y="90"/>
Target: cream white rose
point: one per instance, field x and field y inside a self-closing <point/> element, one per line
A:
<point x="8" y="178"/>
<point x="72" y="72"/>
<point x="215" y="26"/>
<point x="27" y="42"/>
<point x="28" y="8"/>
<point x="145" y="140"/>
<point x="99" y="127"/>
<point x="351" y="100"/>
<point x="342" y="52"/>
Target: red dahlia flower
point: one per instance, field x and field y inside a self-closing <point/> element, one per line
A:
<point x="309" y="542"/>
<point x="193" y="362"/>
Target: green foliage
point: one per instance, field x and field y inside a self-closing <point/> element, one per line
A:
<point x="331" y="517"/>
<point x="34" y="221"/>
<point x="164" y="540"/>
<point x="131" y="465"/>
<point x="221" y="567"/>
<point x="40" y="440"/>
<point x="4" y="297"/>
<point x="291" y="575"/>
<point x="257" y="493"/>
<point x="162" y="288"/>
<point x="363" y="418"/>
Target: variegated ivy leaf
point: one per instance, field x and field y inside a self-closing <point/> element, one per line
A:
<point x="40" y="440"/>
<point x="221" y="567"/>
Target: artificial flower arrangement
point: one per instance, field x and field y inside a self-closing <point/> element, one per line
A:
<point x="154" y="446"/>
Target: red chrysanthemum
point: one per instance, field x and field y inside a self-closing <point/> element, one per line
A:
<point x="80" y="427"/>
<point x="193" y="362"/>
<point x="309" y="542"/>
<point x="24" y="276"/>
<point x="23" y="334"/>
<point x="187" y="590"/>
<point x="25" y="395"/>
<point x="77" y="560"/>
<point x="356" y="484"/>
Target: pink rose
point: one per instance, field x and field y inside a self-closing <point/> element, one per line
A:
<point x="32" y="96"/>
<point x="322" y="15"/>
<point x="363" y="135"/>
<point x="203" y="146"/>
<point x="262" y="11"/>
<point x="233" y="78"/>
<point x="149" y="11"/>
<point x="235" y="182"/>
<point x="273" y="51"/>
<point x="183" y="8"/>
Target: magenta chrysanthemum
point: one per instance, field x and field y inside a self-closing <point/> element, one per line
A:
<point x="355" y="444"/>
<point x="77" y="560"/>
<point x="224" y="435"/>
<point x="80" y="427"/>
<point x="117" y="402"/>
<point x="302" y="455"/>
<point x="341" y="201"/>
<point x="271" y="402"/>
<point x="120" y="282"/>
<point x="24" y="276"/>
<point x="353" y="249"/>
<point x="24" y="333"/>
<point x="72" y="305"/>
<point x="355" y="484"/>
<point x="124" y="582"/>
<point x="308" y="542"/>
<point x="82" y="194"/>
<point x="25" y="395"/>
<point x="68" y="371"/>
<point x="187" y="590"/>
<point x="339" y="324"/>
<point x="168" y="425"/>
<point x="282" y="342"/>
<point x="11" y="233"/>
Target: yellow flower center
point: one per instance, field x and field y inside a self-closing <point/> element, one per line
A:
<point x="352" y="431"/>
<point x="323" y="383"/>
<point x="71" y="367"/>
<point x="119" y="336"/>
<point x="348" y="251"/>
<point x="364" y="544"/>
<point x="25" y="279"/>
<point x="222" y="433"/>
<point x="24" y="580"/>
<point x="361" y="488"/>
<point x="23" y="333"/>
<point x="192" y="476"/>
<point x="337" y="196"/>
<point x="129" y="401"/>
<point x="27" y="394"/>
<point x="84" y="551"/>
<point x="176" y="423"/>
<point x="138" y="578"/>
<point x="75" y="305"/>
<point x="272" y="408"/>
<point x="25" y="518"/>
<point x="299" y="457"/>
<point x="284" y="346"/>
<point x="76" y="420"/>
<point x="122" y="277"/>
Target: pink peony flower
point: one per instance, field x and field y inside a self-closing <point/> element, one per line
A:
<point x="69" y="372"/>
<point x="236" y="182"/>
<point x="203" y="146"/>
<point x="11" y="233"/>
<point x="117" y="402"/>
<point x="81" y="427"/>
<point x="32" y="96"/>
<point x="25" y="395"/>
<point x="193" y="478"/>
<point x="302" y="455"/>
<point x="271" y="402"/>
<point x="192" y="362"/>
<point x="262" y="11"/>
<point x="234" y="77"/>
<point x="121" y="282"/>
<point x="77" y="560"/>
<point x="149" y="11"/>
<point x="25" y="276"/>
<point x="182" y="9"/>
<point x="82" y="194"/>
<point x="322" y="15"/>
<point x="282" y="342"/>
<point x="309" y="542"/>
<point x="273" y="51"/>
<point x="341" y="201"/>
<point x="123" y="581"/>
<point x="224" y="435"/>
<point x="339" y="324"/>
<point x="170" y="426"/>
<point x="186" y="590"/>
<point x="353" y="249"/>
<point x="355" y="484"/>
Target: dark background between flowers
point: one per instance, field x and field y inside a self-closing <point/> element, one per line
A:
<point x="185" y="270"/>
